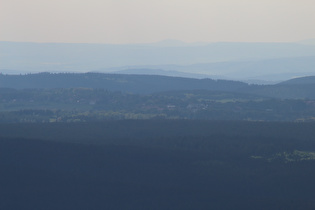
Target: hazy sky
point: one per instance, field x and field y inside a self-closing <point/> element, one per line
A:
<point x="141" y="21"/>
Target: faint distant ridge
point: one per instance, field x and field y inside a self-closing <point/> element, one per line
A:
<point x="67" y="57"/>
<point x="169" y="73"/>
<point x="272" y="70"/>
<point x="300" y="81"/>
<point x="175" y="43"/>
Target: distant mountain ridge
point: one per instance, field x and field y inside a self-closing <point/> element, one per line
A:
<point x="147" y="84"/>
<point x="272" y="70"/>
<point x="66" y="57"/>
<point x="160" y="72"/>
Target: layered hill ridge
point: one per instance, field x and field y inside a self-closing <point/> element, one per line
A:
<point x="237" y="61"/>
<point x="139" y="84"/>
<point x="272" y="70"/>
<point x="299" y="88"/>
<point x="300" y="81"/>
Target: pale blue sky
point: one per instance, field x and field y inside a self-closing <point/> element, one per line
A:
<point x="143" y="21"/>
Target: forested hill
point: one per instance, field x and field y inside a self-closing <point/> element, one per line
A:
<point x="300" y="81"/>
<point x="140" y="84"/>
<point x="300" y="88"/>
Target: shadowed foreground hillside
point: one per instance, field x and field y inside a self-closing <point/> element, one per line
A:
<point x="169" y="164"/>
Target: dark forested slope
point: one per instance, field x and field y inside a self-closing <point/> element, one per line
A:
<point x="157" y="165"/>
